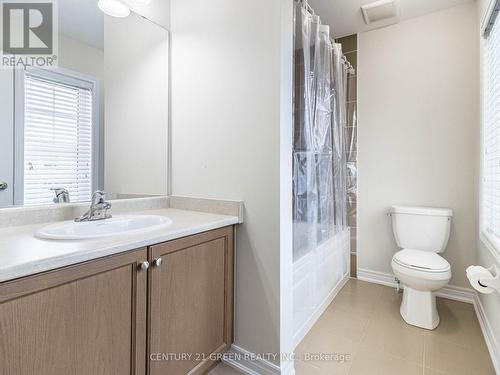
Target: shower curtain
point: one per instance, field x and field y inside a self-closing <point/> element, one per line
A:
<point x="321" y="236"/>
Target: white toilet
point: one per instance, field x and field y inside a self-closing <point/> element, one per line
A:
<point x="421" y="234"/>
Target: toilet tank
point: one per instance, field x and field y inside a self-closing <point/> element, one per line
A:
<point x="421" y="228"/>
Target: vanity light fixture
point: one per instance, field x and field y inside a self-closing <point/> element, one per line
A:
<point x="138" y="3"/>
<point x="114" y="8"/>
<point x="120" y="8"/>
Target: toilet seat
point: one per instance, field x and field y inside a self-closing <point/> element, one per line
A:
<point x="421" y="261"/>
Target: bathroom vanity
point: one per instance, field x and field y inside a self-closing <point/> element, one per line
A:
<point x="139" y="285"/>
<point x="162" y="308"/>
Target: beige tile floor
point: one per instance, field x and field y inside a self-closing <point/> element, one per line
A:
<point x="223" y="369"/>
<point x="364" y="321"/>
<point x="363" y="324"/>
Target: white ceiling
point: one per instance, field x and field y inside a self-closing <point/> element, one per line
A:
<point x="345" y="17"/>
<point x="82" y="20"/>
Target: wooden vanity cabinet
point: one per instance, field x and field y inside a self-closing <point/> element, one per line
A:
<point x="191" y="302"/>
<point x="80" y="320"/>
<point x="116" y="316"/>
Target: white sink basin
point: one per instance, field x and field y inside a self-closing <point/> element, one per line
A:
<point x="117" y="225"/>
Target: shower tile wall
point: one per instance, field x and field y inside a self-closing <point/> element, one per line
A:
<point x="350" y="50"/>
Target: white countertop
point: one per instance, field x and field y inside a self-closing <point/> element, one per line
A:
<point x="23" y="254"/>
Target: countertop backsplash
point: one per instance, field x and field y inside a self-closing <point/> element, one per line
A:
<point x="19" y="216"/>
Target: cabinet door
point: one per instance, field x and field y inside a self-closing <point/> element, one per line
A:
<point x="88" y="319"/>
<point x="191" y="303"/>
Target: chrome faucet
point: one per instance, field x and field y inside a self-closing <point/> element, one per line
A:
<point x="61" y="195"/>
<point x="98" y="208"/>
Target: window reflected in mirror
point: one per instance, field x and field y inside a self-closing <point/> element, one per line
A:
<point x="94" y="119"/>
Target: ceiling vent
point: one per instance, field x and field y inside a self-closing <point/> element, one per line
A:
<point x="382" y="10"/>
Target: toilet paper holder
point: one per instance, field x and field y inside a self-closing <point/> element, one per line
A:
<point x="492" y="281"/>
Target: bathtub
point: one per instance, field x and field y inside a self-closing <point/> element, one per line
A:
<point x="318" y="274"/>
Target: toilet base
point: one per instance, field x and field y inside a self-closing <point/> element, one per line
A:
<point x="419" y="308"/>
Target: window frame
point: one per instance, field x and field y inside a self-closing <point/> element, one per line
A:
<point x="491" y="241"/>
<point x="62" y="75"/>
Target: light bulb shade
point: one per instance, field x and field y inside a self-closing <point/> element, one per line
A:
<point x="114" y="8"/>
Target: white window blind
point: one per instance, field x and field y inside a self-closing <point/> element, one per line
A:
<point x="491" y="134"/>
<point x="57" y="138"/>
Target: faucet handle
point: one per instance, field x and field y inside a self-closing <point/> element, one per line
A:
<point x="98" y="197"/>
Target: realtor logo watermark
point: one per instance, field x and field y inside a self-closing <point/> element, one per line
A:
<point x="28" y="34"/>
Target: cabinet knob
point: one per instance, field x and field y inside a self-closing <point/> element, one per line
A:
<point x="144" y="266"/>
<point x="158" y="262"/>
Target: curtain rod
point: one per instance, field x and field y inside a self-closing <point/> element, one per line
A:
<point x="305" y="3"/>
<point x="347" y="64"/>
<point x="490" y="18"/>
<point x="349" y="67"/>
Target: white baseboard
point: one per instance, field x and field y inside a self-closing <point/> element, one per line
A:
<point x="457" y="293"/>
<point x="376" y="277"/>
<point x="248" y="363"/>
<point x="288" y="369"/>
<point x="489" y="337"/>
<point x="306" y="327"/>
<point x="452" y="292"/>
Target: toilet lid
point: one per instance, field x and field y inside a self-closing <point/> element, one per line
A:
<point x="422" y="260"/>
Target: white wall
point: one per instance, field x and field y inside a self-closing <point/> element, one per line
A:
<point x="157" y="11"/>
<point x="287" y="344"/>
<point x="487" y="257"/>
<point x="136" y="106"/>
<point x="419" y="131"/>
<point x="80" y="57"/>
<point x="226" y="141"/>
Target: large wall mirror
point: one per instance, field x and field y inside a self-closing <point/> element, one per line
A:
<point x="97" y="121"/>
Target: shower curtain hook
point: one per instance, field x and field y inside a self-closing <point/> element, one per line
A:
<point x="309" y="8"/>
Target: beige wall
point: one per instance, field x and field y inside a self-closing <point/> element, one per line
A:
<point x="419" y="130"/>
<point x="487" y="257"/>
<point x="226" y="140"/>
